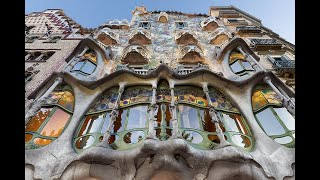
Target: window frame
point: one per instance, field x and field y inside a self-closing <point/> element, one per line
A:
<point x="271" y="106"/>
<point x="140" y="25"/>
<point x="37" y="134"/>
<point x="85" y="61"/>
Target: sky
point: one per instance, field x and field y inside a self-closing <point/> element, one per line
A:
<point x="277" y="15"/>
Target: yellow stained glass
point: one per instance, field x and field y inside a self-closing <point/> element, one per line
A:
<point x="27" y="137"/>
<point x="90" y="56"/>
<point x="271" y="96"/>
<point x="35" y="122"/>
<point x="258" y="100"/>
<point x="56" y="124"/>
<point x="235" y="56"/>
<point x="41" y="141"/>
<point x="67" y="100"/>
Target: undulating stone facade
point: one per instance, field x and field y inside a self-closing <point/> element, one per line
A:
<point x="168" y="95"/>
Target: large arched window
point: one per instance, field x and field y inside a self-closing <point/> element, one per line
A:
<point x="233" y="124"/>
<point x="239" y="65"/>
<point x="273" y="118"/>
<point x="51" y="120"/>
<point x="86" y="65"/>
<point x="130" y="127"/>
<point x="194" y="120"/>
<point x="96" y="121"/>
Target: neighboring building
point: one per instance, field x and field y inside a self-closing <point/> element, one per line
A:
<point x="168" y="95"/>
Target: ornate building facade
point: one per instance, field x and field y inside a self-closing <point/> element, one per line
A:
<point x="168" y="95"/>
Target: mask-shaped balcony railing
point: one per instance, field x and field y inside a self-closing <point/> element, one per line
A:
<point x="136" y="48"/>
<point x="142" y="71"/>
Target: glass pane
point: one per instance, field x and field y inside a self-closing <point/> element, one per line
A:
<point x="91" y="124"/>
<point x="41" y="142"/>
<point x="27" y="137"/>
<point x="269" y="123"/>
<point x="166" y="110"/>
<point x="271" y="96"/>
<point x="236" y="67"/>
<point x="163" y="95"/>
<point x="84" y="142"/>
<point x="56" y="123"/>
<point x="207" y="124"/>
<point x="90" y="55"/>
<point x="67" y="100"/>
<point x="284" y="140"/>
<point x="258" y="100"/>
<point x="189" y="117"/>
<point x="286" y="118"/>
<point x="54" y="97"/>
<point x="235" y="56"/>
<point x="233" y="122"/>
<point x="106" y="123"/>
<point x="119" y="122"/>
<point x="77" y="66"/>
<point x="137" y="117"/>
<point x="35" y="122"/>
<point x="133" y="137"/>
<point x="214" y="138"/>
<point x="192" y="137"/>
<point x="113" y="138"/>
<point x="88" y="68"/>
<point x="157" y="123"/>
<point x="240" y="140"/>
<point x="247" y="65"/>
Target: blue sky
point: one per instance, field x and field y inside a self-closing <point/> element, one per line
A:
<point x="277" y="15"/>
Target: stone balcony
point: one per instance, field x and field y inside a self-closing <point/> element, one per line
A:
<point x="248" y="29"/>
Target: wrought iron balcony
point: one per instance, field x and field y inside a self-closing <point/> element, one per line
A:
<point x="284" y="64"/>
<point x="265" y="44"/>
<point x="185" y="69"/>
<point x="248" y="29"/>
<point x="142" y="71"/>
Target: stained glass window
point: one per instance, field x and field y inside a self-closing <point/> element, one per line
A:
<point x="86" y="65"/>
<point x="50" y="121"/>
<point x="274" y="119"/>
<point x="191" y="95"/>
<point x="106" y="102"/>
<point x="220" y="101"/>
<point x="239" y="65"/>
<point x="136" y="95"/>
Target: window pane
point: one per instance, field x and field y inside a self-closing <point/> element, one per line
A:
<point x="137" y="117"/>
<point x="240" y="140"/>
<point x="258" y="100"/>
<point x="232" y="122"/>
<point x="27" y="137"/>
<point x="56" y="123"/>
<point x="166" y="110"/>
<point x="88" y="68"/>
<point x="119" y="122"/>
<point x="286" y="118"/>
<point x="192" y="137"/>
<point x="207" y="124"/>
<point x="67" y="100"/>
<point x="189" y="117"/>
<point x="247" y="65"/>
<point x="84" y="142"/>
<point x="236" y="67"/>
<point x="77" y="66"/>
<point x="42" y="142"/>
<point x="106" y="123"/>
<point x="284" y="140"/>
<point x="91" y="124"/>
<point x="269" y="123"/>
<point x="35" y="122"/>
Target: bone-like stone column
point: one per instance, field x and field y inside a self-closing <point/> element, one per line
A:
<point x="40" y="101"/>
<point x="75" y="60"/>
<point x="287" y="101"/>
<point x="250" y="58"/>
<point x="152" y="109"/>
<point x="113" y="116"/>
<point x="173" y="108"/>
<point x="214" y="118"/>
